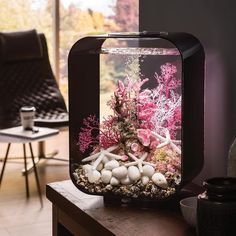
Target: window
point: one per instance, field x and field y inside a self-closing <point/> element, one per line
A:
<point x="27" y="14"/>
<point x="76" y="19"/>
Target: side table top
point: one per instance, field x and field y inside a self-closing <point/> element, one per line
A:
<point x="18" y="135"/>
<point x="89" y="211"/>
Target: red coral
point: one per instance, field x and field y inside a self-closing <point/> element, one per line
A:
<point x="88" y="136"/>
<point x="109" y="133"/>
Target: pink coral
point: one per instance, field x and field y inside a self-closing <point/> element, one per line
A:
<point x="167" y="78"/>
<point x="144" y="136"/>
<point x="135" y="147"/>
<point x="88" y="136"/>
<point x="162" y="167"/>
<point x="109" y="134"/>
<point x="145" y="114"/>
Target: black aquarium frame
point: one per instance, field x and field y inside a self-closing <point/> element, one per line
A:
<point x="83" y="73"/>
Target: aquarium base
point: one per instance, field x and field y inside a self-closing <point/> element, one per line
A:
<point x="172" y="202"/>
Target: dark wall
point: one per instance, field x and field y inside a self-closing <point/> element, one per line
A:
<point x="213" y="22"/>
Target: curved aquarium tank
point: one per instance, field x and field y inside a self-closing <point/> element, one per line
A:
<point x="136" y="105"/>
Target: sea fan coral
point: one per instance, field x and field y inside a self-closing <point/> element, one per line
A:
<point x="88" y="136"/>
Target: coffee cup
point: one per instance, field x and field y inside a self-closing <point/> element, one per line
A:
<point x="27" y="114"/>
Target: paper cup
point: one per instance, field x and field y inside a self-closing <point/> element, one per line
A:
<point x="27" y="115"/>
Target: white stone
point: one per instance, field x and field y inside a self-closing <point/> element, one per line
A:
<point x="110" y="165"/>
<point x="105" y="160"/>
<point x="160" y="180"/>
<point x="87" y="168"/>
<point x="120" y="172"/>
<point x="148" y="170"/>
<point x="93" y="176"/>
<point x="99" y="167"/>
<point x="106" y="176"/>
<point x="134" y="173"/>
<point x="145" y="180"/>
<point x="126" y="180"/>
<point x="114" y="181"/>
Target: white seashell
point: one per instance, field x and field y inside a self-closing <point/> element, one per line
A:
<point x="99" y="167"/>
<point x="148" y="170"/>
<point x="93" y="176"/>
<point x="126" y="180"/>
<point x="160" y="180"/>
<point x="106" y="176"/>
<point x="120" y="172"/>
<point x="87" y="168"/>
<point x="105" y="160"/>
<point x="145" y="180"/>
<point x="114" y="181"/>
<point x="111" y="164"/>
<point x="134" y="173"/>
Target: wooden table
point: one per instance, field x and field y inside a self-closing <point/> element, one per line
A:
<point x="76" y="213"/>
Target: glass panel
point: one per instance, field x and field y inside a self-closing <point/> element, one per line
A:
<point x="79" y="18"/>
<point x="133" y="148"/>
<point x="27" y="14"/>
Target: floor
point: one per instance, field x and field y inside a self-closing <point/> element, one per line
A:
<point x="21" y="217"/>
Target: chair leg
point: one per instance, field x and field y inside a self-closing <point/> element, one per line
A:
<point x="26" y="173"/>
<point x="4" y="162"/>
<point x="51" y="156"/>
<point x="36" y="174"/>
<point x="43" y="156"/>
<point x="41" y="149"/>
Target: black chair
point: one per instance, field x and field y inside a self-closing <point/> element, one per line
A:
<point x="26" y="79"/>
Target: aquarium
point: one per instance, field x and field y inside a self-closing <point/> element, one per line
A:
<point x="136" y="105"/>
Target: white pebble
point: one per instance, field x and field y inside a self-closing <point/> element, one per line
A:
<point x="87" y="168"/>
<point x="100" y="167"/>
<point x="105" y="160"/>
<point x="106" y="176"/>
<point x="93" y="176"/>
<point x="126" y="180"/>
<point x="134" y="173"/>
<point x="160" y="180"/>
<point x="148" y="170"/>
<point x="120" y="172"/>
<point x="114" y="181"/>
<point x="110" y="165"/>
<point x="145" y="180"/>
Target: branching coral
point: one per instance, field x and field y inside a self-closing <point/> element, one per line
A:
<point x="88" y="136"/>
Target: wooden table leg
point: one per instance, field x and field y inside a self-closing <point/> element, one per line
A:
<point x="54" y="221"/>
<point x="26" y="173"/>
<point x="57" y="228"/>
<point x="4" y="162"/>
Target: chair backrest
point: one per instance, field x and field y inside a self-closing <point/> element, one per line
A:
<point x="26" y="79"/>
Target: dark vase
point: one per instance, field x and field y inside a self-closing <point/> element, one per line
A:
<point x="216" y="208"/>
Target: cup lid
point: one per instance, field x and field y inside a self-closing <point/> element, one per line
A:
<point x="27" y="109"/>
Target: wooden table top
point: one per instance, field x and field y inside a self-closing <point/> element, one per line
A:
<point x="89" y="211"/>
